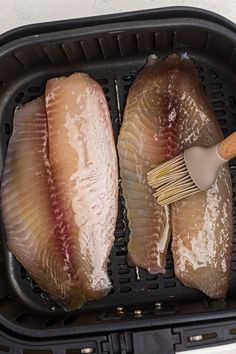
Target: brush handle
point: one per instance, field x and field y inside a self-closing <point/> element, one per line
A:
<point x="227" y="148"/>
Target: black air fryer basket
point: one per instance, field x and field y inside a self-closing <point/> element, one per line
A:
<point x="144" y="313"/>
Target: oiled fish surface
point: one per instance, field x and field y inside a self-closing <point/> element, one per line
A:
<point x="202" y="223"/>
<point x="27" y="212"/>
<point x="146" y="139"/>
<point x="59" y="190"/>
<point x="167" y="112"/>
<point x="84" y="168"/>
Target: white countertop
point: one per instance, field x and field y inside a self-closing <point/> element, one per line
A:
<point x="222" y="349"/>
<point x="15" y="13"/>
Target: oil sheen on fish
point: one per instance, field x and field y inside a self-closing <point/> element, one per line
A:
<point x="146" y="139"/>
<point x="27" y="212"/>
<point x="167" y="112"/>
<point x="83" y="162"/>
<point x="202" y="223"/>
<point x="59" y="190"/>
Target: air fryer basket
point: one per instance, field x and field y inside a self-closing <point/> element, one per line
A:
<point x="112" y="54"/>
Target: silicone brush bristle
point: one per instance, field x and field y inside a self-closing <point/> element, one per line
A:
<point x="171" y="181"/>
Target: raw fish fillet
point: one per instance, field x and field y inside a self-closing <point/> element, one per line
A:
<point x="202" y="223"/>
<point x="59" y="190"/>
<point x="84" y="169"/>
<point x="166" y="112"/>
<point x="146" y="139"/>
<point x="27" y="212"/>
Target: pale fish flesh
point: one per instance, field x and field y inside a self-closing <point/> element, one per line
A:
<point x="59" y="190"/>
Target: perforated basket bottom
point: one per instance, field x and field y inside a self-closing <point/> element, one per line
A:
<point x="130" y="286"/>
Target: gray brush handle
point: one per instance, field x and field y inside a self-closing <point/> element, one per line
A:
<point x="203" y="164"/>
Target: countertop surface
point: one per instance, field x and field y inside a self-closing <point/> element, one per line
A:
<point x="15" y="13"/>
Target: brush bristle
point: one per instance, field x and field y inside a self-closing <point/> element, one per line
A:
<point x="172" y="181"/>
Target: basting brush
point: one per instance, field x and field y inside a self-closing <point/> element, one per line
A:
<point x="191" y="172"/>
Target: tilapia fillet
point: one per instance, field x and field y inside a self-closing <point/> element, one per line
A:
<point x="167" y="112"/>
<point x="83" y="162"/>
<point x="202" y="228"/>
<point x="59" y="190"/>
<point x="146" y="139"/>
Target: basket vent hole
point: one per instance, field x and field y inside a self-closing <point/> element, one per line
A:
<point x="201" y="78"/>
<point x="125" y="289"/>
<point x="153" y="286"/>
<point x="169" y="274"/>
<point x="170" y="284"/>
<point x="234" y="255"/>
<point x="151" y="277"/>
<point x="120" y="243"/>
<point x="233" y="118"/>
<point x="218" y="104"/>
<point x="233" y="267"/>
<point x="7" y="128"/>
<point x="4" y="349"/>
<point x="121" y="253"/>
<point x="33" y="89"/>
<point x="102" y="81"/>
<point x="123" y="271"/>
<point x="212" y="74"/>
<point x="105" y="89"/>
<point x="217" y="94"/>
<point x="169" y="265"/>
<point x="124" y="280"/>
<point x="19" y="97"/>
<point x="220" y="113"/>
<point x="37" y="351"/>
<point x="199" y="69"/>
<point x="120" y="234"/>
<point x="216" y="86"/>
<point x="31" y="98"/>
<point x="222" y="121"/>
<point x="120" y="227"/>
